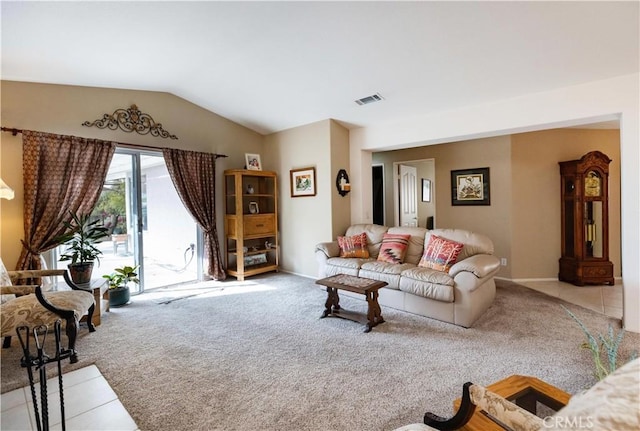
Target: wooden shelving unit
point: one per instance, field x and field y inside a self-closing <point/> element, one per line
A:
<point x="251" y="222"/>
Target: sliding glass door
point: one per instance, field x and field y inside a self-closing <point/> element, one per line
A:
<point x="148" y="224"/>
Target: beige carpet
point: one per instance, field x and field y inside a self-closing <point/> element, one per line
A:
<point x="256" y="356"/>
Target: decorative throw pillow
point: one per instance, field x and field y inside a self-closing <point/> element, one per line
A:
<point x="393" y="248"/>
<point x="5" y="280"/>
<point x="440" y="253"/>
<point x="354" y="246"/>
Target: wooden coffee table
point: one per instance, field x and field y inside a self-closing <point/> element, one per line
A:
<point x="367" y="287"/>
<point x="524" y="391"/>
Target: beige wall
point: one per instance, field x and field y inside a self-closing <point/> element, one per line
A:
<point x="340" y="206"/>
<point x="535" y="208"/>
<point x="493" y="220"/>
<point x="524" y="217"/>
<point x="590" y="102"/>
<point x="62" y="109"/>
<point x="304" y="221"/>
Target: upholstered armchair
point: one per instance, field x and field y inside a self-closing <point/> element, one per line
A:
<point x="27" y="305"/>
<point x="611" y="404"/>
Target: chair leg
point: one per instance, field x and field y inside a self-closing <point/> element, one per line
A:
<point x="90" y="318"/>
<point x="72" y="331"/>
<point x="6" y="343"/>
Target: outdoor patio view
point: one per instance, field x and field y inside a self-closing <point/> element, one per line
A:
<point x="166" y="249"/>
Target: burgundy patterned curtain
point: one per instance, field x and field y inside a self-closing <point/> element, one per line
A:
<point x="194" y="177"/>
<point x="61" y="174"/>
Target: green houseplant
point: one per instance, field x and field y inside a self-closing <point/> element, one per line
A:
<point x="119" y="293"/>
<point x="81" y="236"/>
<point x="604" y="348"/>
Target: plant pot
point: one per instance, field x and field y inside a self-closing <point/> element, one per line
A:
<point x="119" y="296"/>
<point x="81" y="272"/>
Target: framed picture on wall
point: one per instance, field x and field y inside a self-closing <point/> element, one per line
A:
<point x="303" y="182"/>
<point x="426" y="190"/>
<point x="470" y="187"/>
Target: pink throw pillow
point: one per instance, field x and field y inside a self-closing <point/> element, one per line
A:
<point x="354" y="246"/>
<point x="440" y="253"/>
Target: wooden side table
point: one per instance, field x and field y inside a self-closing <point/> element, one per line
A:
<point x="525" y="392"/>
<point x="100" y="290"/>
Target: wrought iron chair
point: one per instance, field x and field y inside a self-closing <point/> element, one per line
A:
<point x="27" y="305"/>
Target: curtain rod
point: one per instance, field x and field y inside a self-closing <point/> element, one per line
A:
<point x="15" y="131"/>
<point x="151" y="147"/>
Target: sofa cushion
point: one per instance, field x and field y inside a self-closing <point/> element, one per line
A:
<point x="393" y="248"/>
<point x="385" y="267"/>
<point x="440" y="253"/>
<point x="353" y="246"/>
<point x="427" y="283"/>
<point x="347" y="262"/>
<point x="428" y="275"/>
<point x="383" y="271"/>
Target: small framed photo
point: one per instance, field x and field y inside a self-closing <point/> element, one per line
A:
<point x="470" y="187"/>
<point x="254" y="208"/>
<point x="253" y="162"/>
<point x="303" y="182"/>
<point x="426" y="190"/>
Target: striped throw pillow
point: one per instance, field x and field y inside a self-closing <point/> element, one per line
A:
<point x="393" y="248"/>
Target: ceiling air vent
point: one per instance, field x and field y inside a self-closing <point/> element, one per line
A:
<point x="370" y="99"/>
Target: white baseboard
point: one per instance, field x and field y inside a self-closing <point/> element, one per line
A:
<point x="530" y="280"/>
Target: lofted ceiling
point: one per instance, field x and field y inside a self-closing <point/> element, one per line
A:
<point x="271" y="66"/>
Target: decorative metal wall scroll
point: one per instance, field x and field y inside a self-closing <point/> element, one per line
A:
<point x="131" y="120"/>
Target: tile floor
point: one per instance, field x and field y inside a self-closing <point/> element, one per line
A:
<point x="603" y="299"/>
<point x="90" y="404"/>
<point x="102" y="410"/>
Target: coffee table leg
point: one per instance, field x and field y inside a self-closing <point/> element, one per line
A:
<point x="333" y="302"/>
<point x="374" y="312"/>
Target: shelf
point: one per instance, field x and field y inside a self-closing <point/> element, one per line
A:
<point x="252" y="270"/>
<point x="244" y="229"/>
<point x="249" y="195"/>
<point x="252" y="252"/>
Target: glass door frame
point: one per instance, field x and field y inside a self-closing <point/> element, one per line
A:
<point x="137" y="215"/>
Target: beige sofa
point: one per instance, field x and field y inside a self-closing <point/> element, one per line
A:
<point x="460" y="296"/>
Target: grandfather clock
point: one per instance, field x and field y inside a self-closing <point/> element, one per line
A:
<point x="585" y="220"/>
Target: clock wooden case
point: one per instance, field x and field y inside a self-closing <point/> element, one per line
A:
<point x="585" y="220"/>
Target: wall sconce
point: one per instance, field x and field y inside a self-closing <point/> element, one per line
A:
<point x="6" y="192"/>
<point x="342" y="182"/>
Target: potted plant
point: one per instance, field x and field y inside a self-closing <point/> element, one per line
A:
<point x="119" y="293"/>
<point x="81" y="236"/>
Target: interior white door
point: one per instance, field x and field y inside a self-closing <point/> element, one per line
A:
<point x="408" y="193"/>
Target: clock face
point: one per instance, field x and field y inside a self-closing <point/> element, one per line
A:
<point x="592" y="184"/>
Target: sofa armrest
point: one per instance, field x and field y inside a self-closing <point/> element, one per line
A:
<point x="481" y="265"/>
<point x="330" y="249"/>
